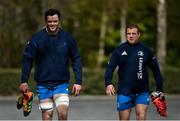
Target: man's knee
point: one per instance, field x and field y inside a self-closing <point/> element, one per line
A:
<point x="47" y="115"/>
<point x="141" y="116"/>
<point x="125" y="115"/>
<point x="46" y="108"/>
<point x="63" y="114"/>
<point x="62" y="105"/>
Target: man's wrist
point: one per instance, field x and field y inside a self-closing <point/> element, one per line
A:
<point x="78" y="82"/>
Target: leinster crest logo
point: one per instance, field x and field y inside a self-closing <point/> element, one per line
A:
<point x="140" y="53"/>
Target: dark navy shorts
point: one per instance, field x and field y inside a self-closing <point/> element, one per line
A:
<point x="125" y="102"/>
<point x="47" y="92"/>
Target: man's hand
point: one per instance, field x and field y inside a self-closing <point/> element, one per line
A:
<point x="159" y="101"/>
<point x="24" y="87"/>
<point x="110" y="90"/>
<point x="76" y="89"/>
<point x="157" y="94"/>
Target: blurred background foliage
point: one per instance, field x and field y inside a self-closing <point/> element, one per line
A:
<point x="96" y="26"/>
<point x="93" y="83"/>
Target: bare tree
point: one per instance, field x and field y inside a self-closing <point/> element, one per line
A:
<point x="123" y="21"/>
<point x="103" y="30"/>
<point x="161" y="28"/>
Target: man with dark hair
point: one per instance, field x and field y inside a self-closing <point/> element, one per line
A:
<point x="132" y="59"/>
<point x="50" y="49"/>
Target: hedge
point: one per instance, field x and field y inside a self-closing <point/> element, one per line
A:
<point x="93" y="81"/>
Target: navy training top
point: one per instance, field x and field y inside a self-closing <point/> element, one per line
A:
<point x="51" y="56"/>
<point x="132" y="62"/>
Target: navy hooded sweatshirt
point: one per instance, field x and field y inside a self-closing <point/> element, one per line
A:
<point x="50" y="55"/>
<point x="132" y="62"/>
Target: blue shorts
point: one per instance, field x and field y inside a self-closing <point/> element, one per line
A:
<point x="47" y="92"/>
<point x="126" y="102"/>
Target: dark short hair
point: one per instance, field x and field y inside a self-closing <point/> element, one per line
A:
<point x="130" y="26"/>
<point x="52" y="12"/>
